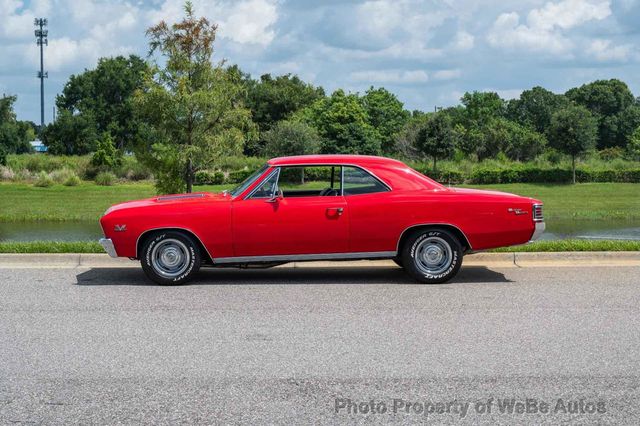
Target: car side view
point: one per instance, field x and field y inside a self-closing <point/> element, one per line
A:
<point x="320" y="207"/>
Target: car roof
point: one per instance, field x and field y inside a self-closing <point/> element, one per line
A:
<point x="362" y="160"/>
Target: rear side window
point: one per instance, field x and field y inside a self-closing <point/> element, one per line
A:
<point x="357" y="181"/>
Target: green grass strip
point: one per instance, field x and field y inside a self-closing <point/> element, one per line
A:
<point x="51" y="247"/>
<point x="538" y="246"/>
<point x="573" y="245"/>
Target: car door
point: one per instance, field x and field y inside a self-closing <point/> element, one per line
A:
<point x="267" y="223"/>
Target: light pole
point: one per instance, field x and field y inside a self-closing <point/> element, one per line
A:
<point x="41" y="40"/>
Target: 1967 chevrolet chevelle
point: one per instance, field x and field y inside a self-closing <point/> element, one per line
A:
<point x="320" y="207"/>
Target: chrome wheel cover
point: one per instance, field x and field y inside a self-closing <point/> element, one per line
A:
<point x="170" y="258"/>
<point x="433" y="256"/>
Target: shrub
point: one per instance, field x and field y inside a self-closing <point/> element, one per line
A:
<point x="105" y="179"/>
<point x="6" y="173"/>
<point x="207" y="177"/>
<point x="3" y="156"/>
<point x="238" y="176"/>
<point x="106" y="153"/>
<point x="22" y="176"/>
<point x="61" y="175"/>
<point x="43" y="180"/>
<point x="72" y="180"/>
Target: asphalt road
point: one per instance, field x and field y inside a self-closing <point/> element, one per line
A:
<point x="102" y="346"/>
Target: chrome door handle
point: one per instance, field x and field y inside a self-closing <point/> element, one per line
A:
<point x="338" y="210"/>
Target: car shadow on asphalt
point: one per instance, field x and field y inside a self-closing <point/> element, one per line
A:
<point x="287" y="276"/>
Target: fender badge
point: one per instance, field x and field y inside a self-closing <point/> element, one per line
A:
<point x="517" y="212"/>
<point x="120" y="228"/>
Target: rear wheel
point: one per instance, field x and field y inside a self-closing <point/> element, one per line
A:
<point x="170" y="258"/>
<point x="432" y="256"/>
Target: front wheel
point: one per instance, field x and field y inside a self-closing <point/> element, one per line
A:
<point x="170" y="258"/>
<point x="432" y="256"/>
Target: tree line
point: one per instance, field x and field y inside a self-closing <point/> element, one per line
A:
<point x="179" y="112"/>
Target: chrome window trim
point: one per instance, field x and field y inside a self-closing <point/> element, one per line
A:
<point x="306" y="257"/>
<point x="169" y="228"/>
<point x="373" y="175"/>
<point x="342" y="165"/>
<point x="276" y="169"/>
<point x="469" y="248"/>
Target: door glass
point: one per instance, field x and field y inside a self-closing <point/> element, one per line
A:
<point x="268" y="188"/>
<point x="310" y="181"/>
<point x="358" y="181"/>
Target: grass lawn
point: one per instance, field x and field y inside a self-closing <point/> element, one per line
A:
<point x="23" y="202"/>
<point x="580" y="201"/>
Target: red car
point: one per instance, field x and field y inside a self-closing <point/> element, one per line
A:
<point x="320" y="207"/>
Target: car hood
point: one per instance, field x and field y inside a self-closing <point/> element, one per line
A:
<point x="163" y="200"/>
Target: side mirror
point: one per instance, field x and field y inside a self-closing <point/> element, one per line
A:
<point x="276" y="197"/>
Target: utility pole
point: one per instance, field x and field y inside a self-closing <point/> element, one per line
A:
<point x="41" y="40"/>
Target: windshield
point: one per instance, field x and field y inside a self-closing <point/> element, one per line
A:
<point x="248" y="181"/>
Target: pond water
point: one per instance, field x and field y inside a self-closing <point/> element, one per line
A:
<point x="91" y="231"/>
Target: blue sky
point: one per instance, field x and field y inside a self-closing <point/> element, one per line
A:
<point x="428" y="52"/>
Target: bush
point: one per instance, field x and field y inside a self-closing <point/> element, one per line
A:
<point x="43" y="180"/>
<point x="6" y="173"/>
<point x="60" y="176"/>
<point x="105" y="179"/>
<point x="238" y="176"/>
<point x="206" y="177"/>
<point x="72" y="180"/>
<point x="3" y="156"/>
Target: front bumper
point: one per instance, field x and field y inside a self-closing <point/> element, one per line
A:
<point x="537" y="232"/>
<point x="107" y="245"/>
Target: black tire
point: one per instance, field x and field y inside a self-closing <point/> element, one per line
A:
<point x="179" y="248"/>
<point x="440" y="264"/>
<point x="398" y="261"/>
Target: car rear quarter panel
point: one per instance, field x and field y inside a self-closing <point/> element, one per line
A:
<point x="377" y="221"/>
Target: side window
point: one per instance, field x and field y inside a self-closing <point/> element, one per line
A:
<point x="267" y="188"/>
<point x="357" y="181"/>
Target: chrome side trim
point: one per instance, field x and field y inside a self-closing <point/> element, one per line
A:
<point x="169" y="228"/>
<point x="537" y="232"/>
<point x="306" y="257"/>
<point x="108" y="246"/>
<point x="469" y="248"/>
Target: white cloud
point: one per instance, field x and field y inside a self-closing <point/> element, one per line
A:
<point x="463" y="41"/>
<point x="245" y="22"/>
<point x="545" y="28"/>
<point x="447" y="74"/>
<point x="390" y="76"/>
<point x="604" y="51"/>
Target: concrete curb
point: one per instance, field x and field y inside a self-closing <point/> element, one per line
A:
<point x="598" y="258"/>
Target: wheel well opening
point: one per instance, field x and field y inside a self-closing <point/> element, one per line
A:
<point x="464" y="242"/>
<point x="148" y="234"/>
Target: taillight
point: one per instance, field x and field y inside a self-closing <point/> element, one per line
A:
<point x="537" y="213"/>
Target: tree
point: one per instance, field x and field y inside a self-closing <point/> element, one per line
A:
<point x="482" y="106"/>
<point x="106" y="93"/>
<point x="633" y="148"/>
<point x="535" y="107"/>
<point x="605" y="99"/>
<point x="272" y="99"/>
<point x="291" y="138"/>
<point x="435" y="138"/>
<point x="343" y="124"/>
<point x="386" y="114"/>
<point x="106" y="154"/>
<point x="193" y="109"/>
<point x="572" y="131"/>
<point x="14" y="135"/>
<point x="70" y="134"/>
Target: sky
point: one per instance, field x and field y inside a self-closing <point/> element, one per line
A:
<point x="428" y="52"/>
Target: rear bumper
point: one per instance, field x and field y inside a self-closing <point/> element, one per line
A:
<point x="537" y="232"/>
<point x="107" y="245"/>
